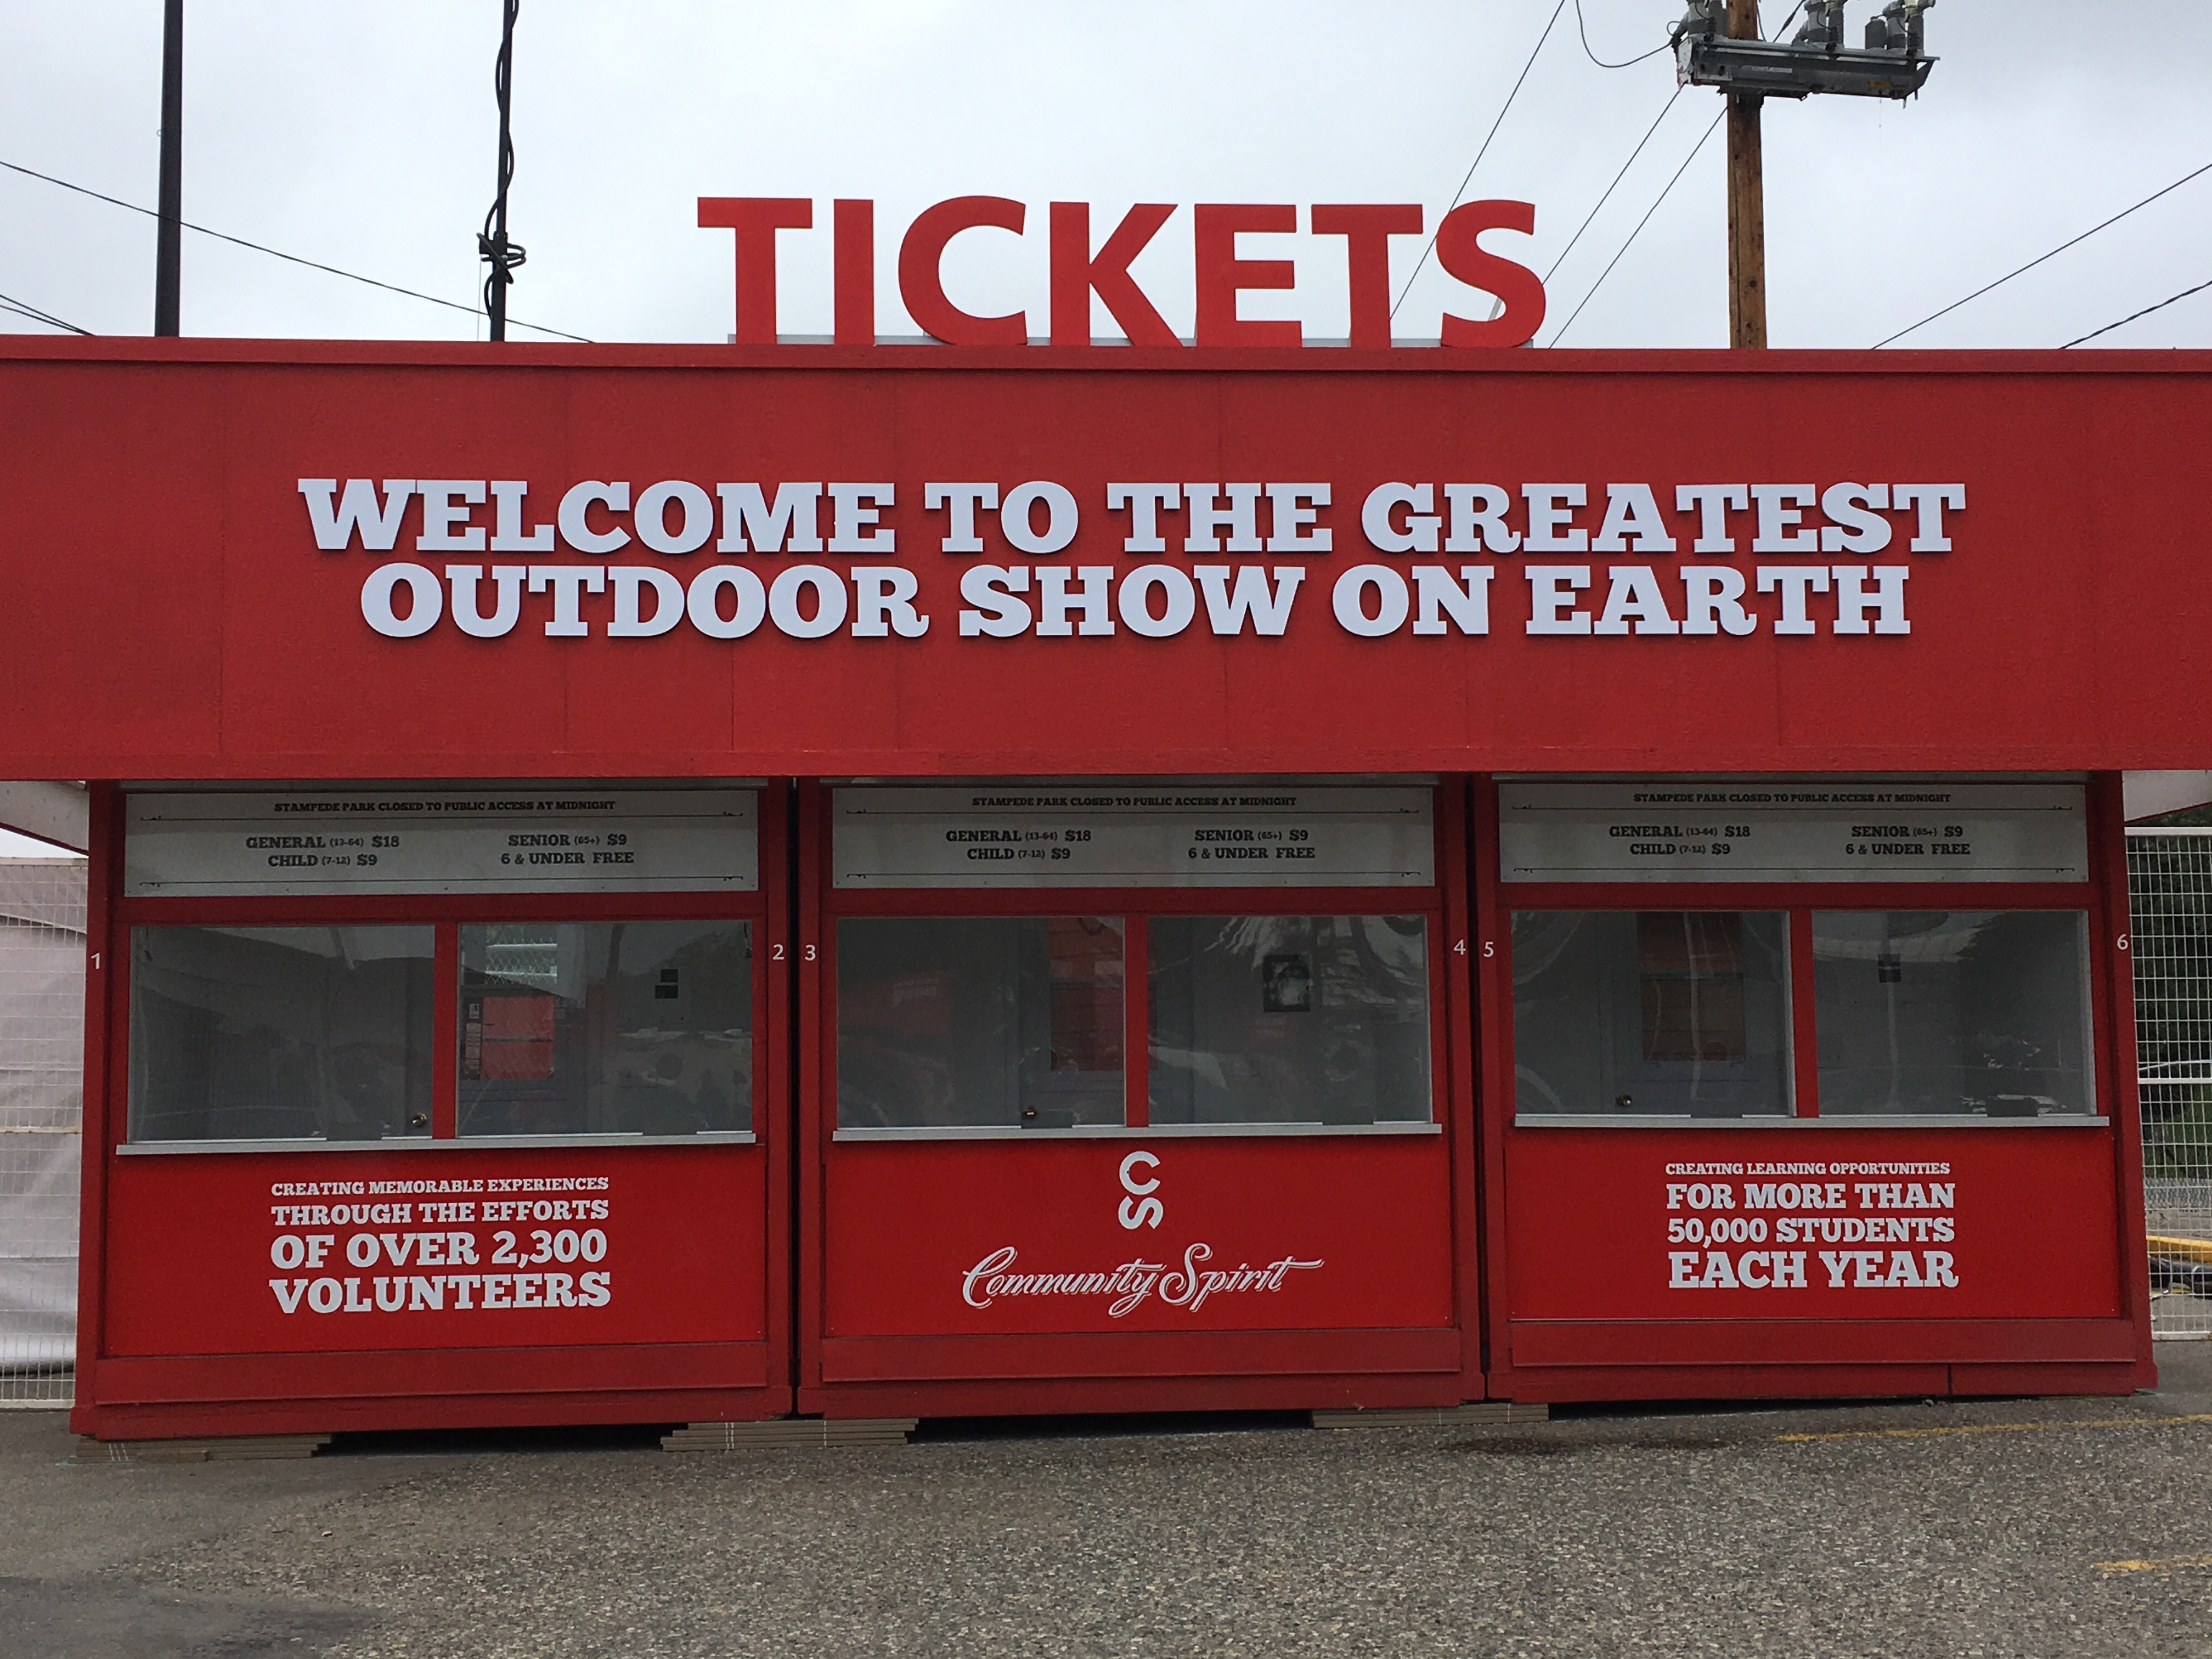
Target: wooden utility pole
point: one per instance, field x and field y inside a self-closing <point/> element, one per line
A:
<point x="1746" y="192"/>
<point x="168" y="227"/>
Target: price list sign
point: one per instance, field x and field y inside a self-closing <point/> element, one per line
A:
<point x="1743" y="830"/>
<point x="508" y="840"/>
<point x="1097" y="836"/>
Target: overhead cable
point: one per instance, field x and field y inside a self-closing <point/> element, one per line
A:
<point x="278" y="254"/>
<point x="1583" y="28"/>
<point x="1645" y="221"/>
<point x="1610" y="188"/>
<point x="2145" y="312"/>
<point x="2053" y="254"/>
<point x="22" y="309"/>
<point x="1429" y="247"/>
<point x="1663" y="194"/>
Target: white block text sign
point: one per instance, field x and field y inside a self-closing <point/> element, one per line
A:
<point x="1749" y="829"/>
<point x="1093" y="836"/>
<point x="504" y="839"/>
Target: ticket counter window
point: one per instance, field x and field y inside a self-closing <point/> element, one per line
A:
<point x="1007" y="1022"/>
<point x="639" y="1028"/>
<point x="1289" y="1019"/>
<point x="1950" y="1013"/>
<point x="280" y="1033"/>
<point x="1634" y="1013"/>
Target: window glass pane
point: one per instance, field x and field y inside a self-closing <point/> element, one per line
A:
<point x="606" y="1028"/>
<point x="1672" y="1012"/>
<point x="1289" y="1019"/>
<point x="279" y="1033"/>
<point x="1952" y="1012"/>
<point x="977" y="1021"/>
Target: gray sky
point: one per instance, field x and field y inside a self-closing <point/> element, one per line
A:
<point x="361" y="134"/>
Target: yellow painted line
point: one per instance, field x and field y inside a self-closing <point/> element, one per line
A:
<point x="2163" y="1564"/>
<point x="2190" y="1249"/>
<point x="1998" y="1428"/>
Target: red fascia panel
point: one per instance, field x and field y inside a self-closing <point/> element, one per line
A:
<point x="1820" y="1342"/>
<point x="2049" y="638"/>
<point x="1137" y="1354"/>
<point x="456" y="1411"/>
<point x="434" y="1375"/>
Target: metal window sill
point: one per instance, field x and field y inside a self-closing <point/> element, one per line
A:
<point x="424" y="1144"/>
<point x="1121" y="1131"/>
<point x="1855" y="1120"/>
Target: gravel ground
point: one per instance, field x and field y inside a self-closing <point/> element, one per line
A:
<point x="2074" y="1527"/>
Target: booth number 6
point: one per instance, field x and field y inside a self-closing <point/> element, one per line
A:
<point x="1138" y="1209"/>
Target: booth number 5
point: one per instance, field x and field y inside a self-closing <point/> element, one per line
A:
<point x="1139" y="1210"/>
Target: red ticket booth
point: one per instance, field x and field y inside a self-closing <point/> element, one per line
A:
<point x="1809" y="1086"/>
<point x="1134" y="1094"/>
<point x="435" y="1105"/>
<point x="884" y="882"/>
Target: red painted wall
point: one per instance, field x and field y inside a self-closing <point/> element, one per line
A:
<point x="179" y="622"/>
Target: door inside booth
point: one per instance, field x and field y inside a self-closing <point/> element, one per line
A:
<point x="1132" y="1081"/>
<point x="468" y="1101"/>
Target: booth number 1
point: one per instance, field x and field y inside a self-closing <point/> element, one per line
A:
<point x="1140" y="1209"/>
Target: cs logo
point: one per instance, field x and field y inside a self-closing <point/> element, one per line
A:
<point x="1139" y="1209"/>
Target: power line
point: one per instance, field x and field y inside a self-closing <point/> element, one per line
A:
<point x="1610" y="188"/>
<point x="1645" y="221"/>
<point x="1429" y="247"/>
<point x="2053" y="254"/>
<point x="1583" y="28"/>
<point x="278" y="254"/>
<point x="2145" y="312"/>
<point x="22" y="309"/>
<point x="1665" y="192"/>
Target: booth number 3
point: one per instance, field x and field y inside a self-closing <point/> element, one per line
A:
<point x="1140" y="1209"/>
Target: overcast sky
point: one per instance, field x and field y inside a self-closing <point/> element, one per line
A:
<point x="361" y="134"/>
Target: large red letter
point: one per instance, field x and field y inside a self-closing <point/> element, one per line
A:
<point x="1221" y="275"/>
<point x="1518" y="288"/>
<point x="922" y="283"/>
<point x="756" y="219"/>
<point x="1367" y="231"/>
<point x="1075" y="275"/>
<point x="853" y="293"/>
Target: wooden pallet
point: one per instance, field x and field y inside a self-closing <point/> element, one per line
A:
<point x="790" y="1432"/>
<point x="221" y="1449"/>
<point x="1490" y="1412"/>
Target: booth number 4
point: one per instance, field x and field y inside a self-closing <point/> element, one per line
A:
<point x="1489" y="948"/>
<point x="1140" y="1209"/>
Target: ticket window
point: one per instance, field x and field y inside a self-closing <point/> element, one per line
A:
<point x="304" y="969"/>
<point x="1195" y="985"/>
<point x="1972" y="1007"/>
<point x="641" y="1028"/>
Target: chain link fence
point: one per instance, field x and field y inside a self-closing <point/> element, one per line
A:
<point x="2170" y="891"/>
<point x="42" y="922"/>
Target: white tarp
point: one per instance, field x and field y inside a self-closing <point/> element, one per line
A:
<point x="41" y="1110"/>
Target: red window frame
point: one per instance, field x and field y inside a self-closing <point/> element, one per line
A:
<point x="446" y="914"/>
<point x="1135" y="907"/>
<point x="1797" y="903"/>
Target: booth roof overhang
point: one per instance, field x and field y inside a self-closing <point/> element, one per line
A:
<point x="1002" y="561"/>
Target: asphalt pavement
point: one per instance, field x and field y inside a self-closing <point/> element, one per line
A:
<point x="2080" y="1527"/>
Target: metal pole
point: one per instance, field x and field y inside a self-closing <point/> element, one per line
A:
<point x="1746" y="192"/>
<point x="492" y="245"/>
<point x="168" y="249"/>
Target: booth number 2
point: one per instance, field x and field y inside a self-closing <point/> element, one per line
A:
<point x="1140" y="1209"/>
